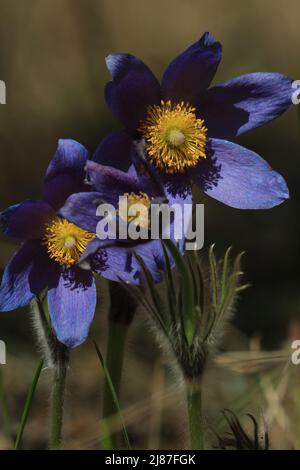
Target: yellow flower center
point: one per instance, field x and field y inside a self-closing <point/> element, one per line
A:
<point x="175" y="139"/>
<point x="65" y="241"/>
<point x="139" y="213"/>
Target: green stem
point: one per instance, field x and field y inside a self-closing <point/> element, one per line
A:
<point x="114" y="364"/>
<point x="58" y="392"/>
<point x="28" y="403"/>
<point x="194" y="405"/>
<point x="56" y="357"/>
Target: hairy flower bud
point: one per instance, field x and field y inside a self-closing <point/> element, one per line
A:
<point x="197" y="301"/>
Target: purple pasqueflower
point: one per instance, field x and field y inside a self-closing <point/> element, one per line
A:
<point x="59" y="234"/>
<point x="185" y="125"/>
<point x="113" y="258"/>
<point x="52" y="247"/>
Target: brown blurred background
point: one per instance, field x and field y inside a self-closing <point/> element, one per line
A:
<point x="52" y="60"/>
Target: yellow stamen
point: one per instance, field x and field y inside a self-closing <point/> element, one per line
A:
<point x="175" y="138"/>
<point x="65" y="241"/>
<point x="140" y="199"/>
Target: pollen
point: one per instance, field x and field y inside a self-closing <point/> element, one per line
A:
<point x="175" y="138"/>
<point x="139" y="212"/>
<point x="66" y="242"/>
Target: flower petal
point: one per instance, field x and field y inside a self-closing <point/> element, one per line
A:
<point x="191" y="72"/>
<point x="81" y="209"/>
<point x="72" y="304"/>
<point x="65" y="174"/>
<point x="115" y="150"/>
<point x="26" y="220"/>
<point x="119" y="263"/>
<point x="25" y="276"/>
<point x="239" y="177"/>
<point x="132" y="89"/>
<point x="111" y="183"/>
<point x="244" y="103"/>
<point x="69" y="156"/>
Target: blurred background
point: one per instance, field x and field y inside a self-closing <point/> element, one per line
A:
<point x="52" y="60"/>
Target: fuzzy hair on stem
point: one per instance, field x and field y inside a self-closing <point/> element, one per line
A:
<point x="55" y="353"/>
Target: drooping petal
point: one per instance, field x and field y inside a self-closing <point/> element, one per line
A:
<point x="132" y="89"/>
<point x="239" y="177"/>
<point x="119" y="263"/>
<point x="111" y="183"/>
<point x="191" y="72"/>
<point x="81" y="210"/>
<point x="65" y="174"/>
<point x="115" y="150"/>
<point x="72" y="304"/>
<point x="26" y="220"/>
<point x="244" y="103"/>
<point x="25" y="276"/>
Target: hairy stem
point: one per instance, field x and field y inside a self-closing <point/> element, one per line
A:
<point x="58" y="392"/>
<point x="194" y="406"/>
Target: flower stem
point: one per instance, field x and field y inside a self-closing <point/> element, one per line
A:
<point x="56" y="357"/>
<point x="194" y="406"/>
<point x="58" y="392"/>
<point x="114" y="364"/>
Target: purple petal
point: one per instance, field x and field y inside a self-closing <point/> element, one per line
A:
<point x="93" y="247"/>
<point x="81" y="209"/>
<point x="119" y="263"/>
<point x="111" y="183"/>
<point x="239" y="177"/>
<point x="115" y="150"/>
<point x="72" y="306"/>
<point x="152" y="255"/>
<point x="70" y="155"/>
<point x="65" y="174"/>
<point x="177" y="188"/>
<point x="26" y="220"/>
<point x="191" y="72"/>
<point x="25" y="276"/>
<point x="244" y="103"/>
<point x="132" y="89"/>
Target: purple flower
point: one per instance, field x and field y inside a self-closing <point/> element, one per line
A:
<point x="52" y="247"/>
<point x="185" y="125"/>
<point x="61" y="251"/>
<point x="112" y="175"/>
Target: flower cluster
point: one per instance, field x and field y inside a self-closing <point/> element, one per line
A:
<point x="175" y="135"/>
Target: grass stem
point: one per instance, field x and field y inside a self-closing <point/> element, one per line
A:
<point x="114" y="363"/>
